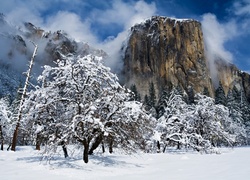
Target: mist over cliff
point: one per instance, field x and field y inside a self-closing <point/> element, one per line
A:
<point x="17" y="47"/>
<point x="159" y="50"/>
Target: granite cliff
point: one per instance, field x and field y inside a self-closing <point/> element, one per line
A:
<point x="165" y="50"/>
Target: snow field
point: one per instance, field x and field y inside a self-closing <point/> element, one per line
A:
<point x="26" y="163"/>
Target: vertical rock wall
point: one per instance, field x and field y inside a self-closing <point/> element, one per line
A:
<point x="164" y="50"/>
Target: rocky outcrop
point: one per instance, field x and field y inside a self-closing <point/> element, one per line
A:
<point x="229" y="76"/>
<point x="164" y="50"/>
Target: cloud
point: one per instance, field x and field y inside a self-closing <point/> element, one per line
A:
<point x="92" y="21"/>
<point x="241" y="7"/>
<point x="83" y="20"/>
<point x="73" y="24"/>
<point x="125" y="14"/>
<point x="216" y="35"/>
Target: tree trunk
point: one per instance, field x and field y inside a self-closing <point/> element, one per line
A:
<point x="86" y="152"/>
<point x="178" y="145"/>
<point x="164" y="149"/>
<point x="95" y="145"/>
<point x="38" y="142"/>
<point x="159" y="147"/>
<point x="9" y="147"/>
<point x="103" y="147"/>
<point x="111" y="145"/>
<point x="1" y="137"/>
<point x="14" y="140"/>
<point x="25" y="88"/>
<point x="65" y="150"/>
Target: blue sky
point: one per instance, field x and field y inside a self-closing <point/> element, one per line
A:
<point x="105" y="23"/>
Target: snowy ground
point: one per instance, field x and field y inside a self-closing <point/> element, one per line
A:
<point x="25" y="163"/>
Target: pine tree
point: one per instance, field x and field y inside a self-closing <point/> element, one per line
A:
<point x="162" y="103"/>
<point x="220" y="97"/>
<point x="234" y="104"/>
<point x="245" y="107"/>
<point x="146" y="102"/>
<point x="190" y="93"/>
<point x="152" y="95"/>
<point x="206" y="92"/>
<point x="136" y="94"/>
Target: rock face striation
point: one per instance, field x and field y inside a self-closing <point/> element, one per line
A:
<point x="167" y="51"/>
<point x="164" y="50"/>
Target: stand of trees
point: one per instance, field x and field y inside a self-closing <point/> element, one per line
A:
<point x="80" y="102"/>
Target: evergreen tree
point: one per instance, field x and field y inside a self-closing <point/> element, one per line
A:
<point x="146" y="102"/>
<point x="245" y="107"/>
<point x="162" y="103"/>
<point x="206" y="92"/>
<point x="136" y="95"/>
<point x="238" y="107"/>
<point x="234" y="104"/>
<point x="190" y="95"/>
<point x="152" y="95"/>
<point x="220" y="97"/>
<point x="179" y="91"/>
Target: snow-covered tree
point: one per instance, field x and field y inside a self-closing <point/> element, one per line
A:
<point x="172" y="123"/>
<point x="152" y="95"/>
<point x="220" y="97"/>
<point x="135" y="94"/>
<point x="238" y="107"/>
<point x="213" y="122"/>
<point x="5" y="115"/>
<point x="24" y="91"/>
<point x="200" y="126"/>
<point x="206" y="92"/>
<point x="234" y="104"/>
<point x="190" y="95"/>
<point x="81" y="100"/>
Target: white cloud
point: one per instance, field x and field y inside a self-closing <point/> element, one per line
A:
<point x="121" y="13"/>
<point x="242" y="7"/>
<point x="73" y="24"/>
<point x="125" y="14"/>
<point x="216" y="34"/>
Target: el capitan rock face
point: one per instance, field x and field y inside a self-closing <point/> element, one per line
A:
<point x="163" y="50"/>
